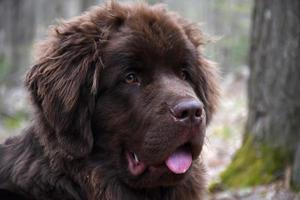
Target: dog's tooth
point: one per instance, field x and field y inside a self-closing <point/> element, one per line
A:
<point x="135" y="158"/>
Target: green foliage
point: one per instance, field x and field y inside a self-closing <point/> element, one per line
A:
<point x="4" y="66"/>
<point x="153" y="1"/>
<point x="15" y="121"/>
<point x="232" y="25"/>
<point x="223" y="132"/>
<point x="295" y="187"/>
<point x="215" y="187"/>
<point x="237" y="48"/>
<point x="253" y="164"/>
<point x="239" y="7"/>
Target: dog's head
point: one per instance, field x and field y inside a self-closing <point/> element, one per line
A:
<point x="126" y="87"/>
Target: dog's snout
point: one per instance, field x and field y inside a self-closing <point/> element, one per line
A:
<point x="188" y="111"/>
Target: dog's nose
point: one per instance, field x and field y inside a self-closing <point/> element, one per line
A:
<point x="188" y="112"/>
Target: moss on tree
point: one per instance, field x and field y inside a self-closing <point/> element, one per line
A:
<point x="253" y="164"/>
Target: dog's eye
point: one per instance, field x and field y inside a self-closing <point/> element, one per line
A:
<point x="131" y="78"/>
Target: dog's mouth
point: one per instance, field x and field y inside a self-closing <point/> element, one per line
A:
<point x="178" y="162"/>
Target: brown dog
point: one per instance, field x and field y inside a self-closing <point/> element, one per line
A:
<point x="122" y="96"/>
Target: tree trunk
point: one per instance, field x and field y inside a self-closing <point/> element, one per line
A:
<point x="272" y="137"/>
<point x="17" y="26"/>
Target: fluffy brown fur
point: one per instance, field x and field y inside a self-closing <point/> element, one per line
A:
<point x="117" y="80"/>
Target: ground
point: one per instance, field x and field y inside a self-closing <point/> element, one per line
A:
<point x="275" y="191"/>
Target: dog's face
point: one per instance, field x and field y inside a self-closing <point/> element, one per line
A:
<point x="149" y="111"/>
<point x="152" y="94"/>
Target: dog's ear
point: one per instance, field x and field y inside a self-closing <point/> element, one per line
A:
<point x="63" y="84"/>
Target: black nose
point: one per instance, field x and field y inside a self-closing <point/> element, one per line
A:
<point x="188" y="112"/>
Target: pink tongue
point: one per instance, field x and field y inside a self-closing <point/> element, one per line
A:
<point x="180" y="161"/>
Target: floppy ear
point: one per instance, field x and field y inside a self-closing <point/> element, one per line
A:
<point x="63" y="85"/>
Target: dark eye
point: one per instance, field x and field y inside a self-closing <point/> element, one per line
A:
<point x="131" y="78"/>
<point x="184" y="74"/>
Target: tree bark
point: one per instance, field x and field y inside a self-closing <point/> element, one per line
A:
<point x="274" y="83"/>
<point x="274" y="90"/>
<point x="272" y="136"/>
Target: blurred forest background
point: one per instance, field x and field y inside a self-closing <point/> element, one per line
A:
<point x="23" y="23"/>
<point x="228" y="22"/>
